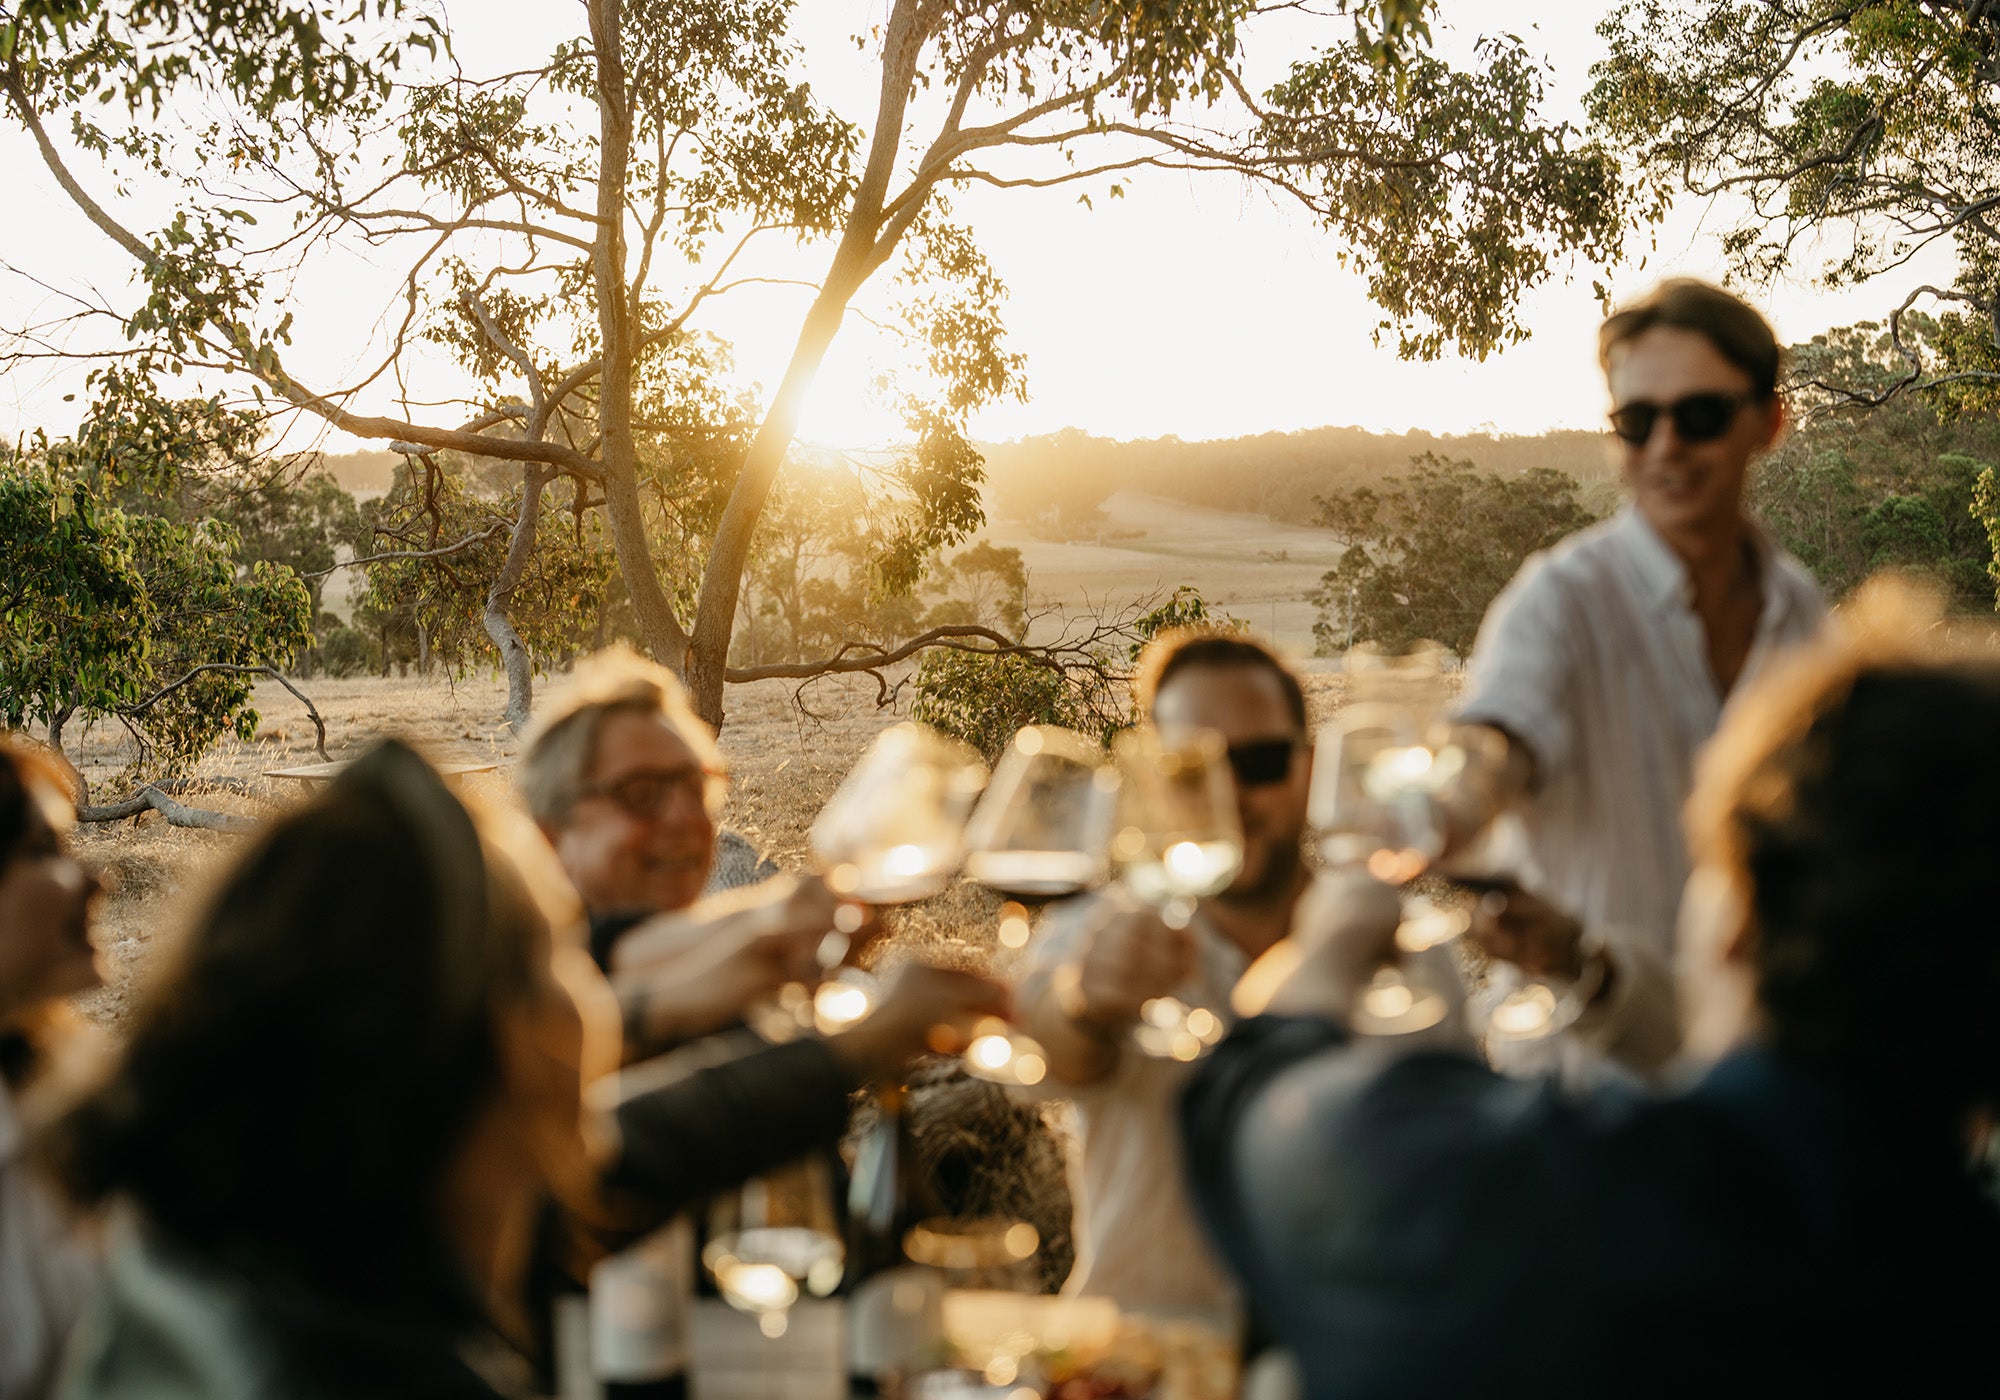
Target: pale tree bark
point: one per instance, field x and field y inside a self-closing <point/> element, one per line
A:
<point x="514" y="655"/>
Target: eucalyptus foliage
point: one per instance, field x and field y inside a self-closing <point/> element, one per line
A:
<point x="566" y="227"/>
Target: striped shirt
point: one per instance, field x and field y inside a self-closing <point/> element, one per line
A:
<point x="1594" y="658"/>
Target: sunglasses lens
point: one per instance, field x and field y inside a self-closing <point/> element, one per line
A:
<point x="1704" y="417"/>
<point x="1634" y="422"/>
<point x="1260" y="764"/>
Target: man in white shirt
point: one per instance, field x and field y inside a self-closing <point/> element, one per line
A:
<point x="1609" y="660"/>
<point x="1099" y="959"/>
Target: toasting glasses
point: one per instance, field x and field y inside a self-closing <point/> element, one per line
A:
<point x="892" y="833"/>
<point x="1177" y="841"/>
<point x="1039" y="833"/>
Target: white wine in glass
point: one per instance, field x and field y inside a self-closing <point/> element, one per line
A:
<point x="1040" y="832"/>
<point x="1177" y="841"/>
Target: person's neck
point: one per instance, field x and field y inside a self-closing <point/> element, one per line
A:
<point x="1717" y="557"/>
<point x="1256" y="919"/>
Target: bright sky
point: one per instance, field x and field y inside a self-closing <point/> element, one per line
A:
<point x="1193" y="307"/>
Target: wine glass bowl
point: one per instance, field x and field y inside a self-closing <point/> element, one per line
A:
<point x="1178" y="840"/>
<point x="1041" y="829"/>
<point x="893" y="831"/>
<point x="890" y="834"/>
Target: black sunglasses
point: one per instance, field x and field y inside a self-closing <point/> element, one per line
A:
<point x="1262" y="762"/>
<point x="1697" y="418"/>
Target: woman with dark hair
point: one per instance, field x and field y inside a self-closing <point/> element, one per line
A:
<point x="45" y="956"/>
<point x="338" y="1115"/>
<point x="332" y="1144"/>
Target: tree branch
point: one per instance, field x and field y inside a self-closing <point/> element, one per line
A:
<point x="176" y="814"/>
<point x="139" y="707"/>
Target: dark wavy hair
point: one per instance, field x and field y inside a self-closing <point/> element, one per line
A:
<point x="1736" y="329"/>
<point x="299" y="1078"/>
<point x="1857" y="796"/>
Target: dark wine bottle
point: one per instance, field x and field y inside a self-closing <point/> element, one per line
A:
<point x="895" y="1309"/>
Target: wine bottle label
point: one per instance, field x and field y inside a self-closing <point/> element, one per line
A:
<point x="640" y="1304"/>
<point x="895" y="1321"/>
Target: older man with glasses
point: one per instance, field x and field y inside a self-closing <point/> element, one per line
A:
<point x="1099" y="960"/>
<point x="1608" y="662"/>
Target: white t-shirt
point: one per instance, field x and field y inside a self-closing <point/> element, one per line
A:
<point x="1137" y="1239"/>
<point x="1595" y="659"/>
<point x="44" y="1274"/>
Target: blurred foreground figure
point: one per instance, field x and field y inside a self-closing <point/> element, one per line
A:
<point x="1804" y="1220"/>
<point x="45" y="956"/>
<point x="331" y="1143"/>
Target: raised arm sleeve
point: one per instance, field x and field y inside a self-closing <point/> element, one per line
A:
<point x="1520" y="666"/>
<point x="692" y="1133"/>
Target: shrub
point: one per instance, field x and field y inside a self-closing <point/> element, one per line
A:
<point x="347" y="651"/>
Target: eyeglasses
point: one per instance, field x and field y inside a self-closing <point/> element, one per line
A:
<point x="1262" y="762"/>
<point x="644" y="795"/>
<point x="1697" y="418"/>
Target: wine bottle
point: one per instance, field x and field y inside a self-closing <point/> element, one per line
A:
<point x="641" y="1310"/>
<point x="895" y="1309"/>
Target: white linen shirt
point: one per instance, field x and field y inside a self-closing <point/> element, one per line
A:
<point x="1138" y="1241"/>
<point x="1594" y="658"/>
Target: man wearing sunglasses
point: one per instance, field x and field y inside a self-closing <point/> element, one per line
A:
<point x="1608" y="661"/>
<point x="1100" y="959"/>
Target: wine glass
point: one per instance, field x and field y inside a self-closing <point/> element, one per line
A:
<point x="1515" y="1005"/>
<point x="1378" y="767"/>
<point x="1039" y="833"/>
<point x="774" y="1239"/>
<point x="1177" y="840"/>
<point x="892" y="833"/>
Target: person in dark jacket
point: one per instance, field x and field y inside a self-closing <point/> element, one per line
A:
<point x="326" y="1149"/>
<point x="1803" y="1218"/>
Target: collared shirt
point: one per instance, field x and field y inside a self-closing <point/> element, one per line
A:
<point x="1137" y="1239"/>
<point x="1594" y="658"/>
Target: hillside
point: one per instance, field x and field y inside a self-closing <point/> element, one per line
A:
<point x="1274" y="474"/>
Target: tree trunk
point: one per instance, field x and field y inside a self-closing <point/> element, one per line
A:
<point x="423" y="648"/>
<point x="513" y="651"/>
<point x="617" y="309"/>
<point x="722" y="580"/>
<point x="57" y="722"/>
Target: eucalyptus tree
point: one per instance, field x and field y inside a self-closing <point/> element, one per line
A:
<point x="1855" y="133"/>
<point x="570" y="225"/>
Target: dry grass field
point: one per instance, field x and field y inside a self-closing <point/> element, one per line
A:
<point x="784" y="761"/>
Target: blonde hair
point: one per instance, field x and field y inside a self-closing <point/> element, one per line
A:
<point x="561" y="743"/>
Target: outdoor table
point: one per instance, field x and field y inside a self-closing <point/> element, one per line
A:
<point x="313" y="773"/>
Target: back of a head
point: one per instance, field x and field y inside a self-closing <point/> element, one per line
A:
<point x="297" y="1080"/>
<point x="1854" y="792"/>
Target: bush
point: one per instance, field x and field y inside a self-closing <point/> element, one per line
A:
<point x="983" y="699"/>
<point x="346" y="651"/>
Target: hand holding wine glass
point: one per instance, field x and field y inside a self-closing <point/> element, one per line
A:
<point x="890" y="834"/>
